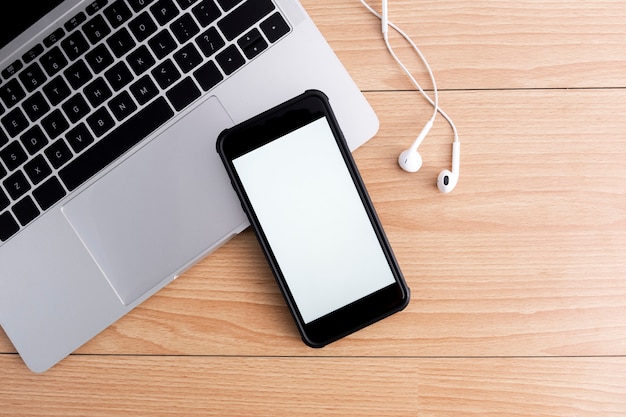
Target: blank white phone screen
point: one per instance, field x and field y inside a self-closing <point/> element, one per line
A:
<point x="312" y="215"/>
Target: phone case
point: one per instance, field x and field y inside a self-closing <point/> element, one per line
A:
<point x="366" y="314"/>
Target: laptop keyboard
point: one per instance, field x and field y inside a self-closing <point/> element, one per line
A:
<point x="106" y="79"/>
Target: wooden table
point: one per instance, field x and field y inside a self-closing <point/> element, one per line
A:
<point x="518" y="277"/>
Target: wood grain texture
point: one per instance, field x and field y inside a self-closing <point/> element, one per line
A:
<point x="218" y="386"/>
<point x="518" y="277"/>
<point x="483" y="44"/>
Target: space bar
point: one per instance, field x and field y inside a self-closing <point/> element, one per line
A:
<point x="112" y="146"/>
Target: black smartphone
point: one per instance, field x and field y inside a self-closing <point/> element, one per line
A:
<point x="311" y="213"/>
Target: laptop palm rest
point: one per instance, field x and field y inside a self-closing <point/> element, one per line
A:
<point x="144" y="235"/>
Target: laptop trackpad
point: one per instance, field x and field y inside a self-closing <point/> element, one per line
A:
<point x="151" y="216"/>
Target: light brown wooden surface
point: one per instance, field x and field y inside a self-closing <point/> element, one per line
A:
<point x="518" y="277"/>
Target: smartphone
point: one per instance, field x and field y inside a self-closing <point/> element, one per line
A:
<point x="311" y="213"/>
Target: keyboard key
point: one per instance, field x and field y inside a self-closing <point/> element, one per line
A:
<point x="142" y="26"/>
<point x="252" y="43"/>
<point x="138" y="5"/>
<point x="99" y="58"/>
<point x="121" y="42"/>
<point x="75" y="45"/>
<point x="96" y="29"/>
<point x="206" y="12"/>
<point x="75" y="21"/>
<point x="118" y="76"/>
<point x="210" y="42"/>
<point x="183" y="93"/>
<point x="184" y="28"/>
<point x="162" y="44"/>
<point x="54" y="124"/>
<point x="8" y="226"/>
<point x="54" y="37"/>
<point x="33" y="53"/>
<point x="78" y="74"/>
<point x="230" y="59"/>
<point x="122" y="106"/>
<point x="53" y="61"/>
<point x="144" y="90"/>
<point x="95" y="6"/>
<point x="56" y="90"/>
<point x="79" y="138"/>
<point x="100" y="122"/>
<point x="12" y="69"/>
<point x="97" y="92"/>
<point x="117" y="13"/>
<point x="275" y="27"/>
<point x="32" y="77"/>
<point x="208" y="76"/>
<point x="253" y="50"/>
<point x="11" y="93"/>
<point x="166" y="74"/>
<point x="140" y="60"/>
<point x="249" y="39"/>
<point x="49" y="193"/>
<point x="14" y="122"/>
<point x="13" y="156"/>
<point x="76" y="108"/>
<point x="58" y="153"/>
<point x="164" y="11"/>
<point x="16" y="185"/>
<point x="188" y="58"/>
<point x="243" y="17"/>
<point x="36" y="106"/>
<point x="34" y="140"/>
<point x="25" y="210"/>
<point x="120" y="140"/>
<point x="37" y="169"/>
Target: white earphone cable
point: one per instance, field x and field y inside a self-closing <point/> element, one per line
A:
<point x="435" y="102"/>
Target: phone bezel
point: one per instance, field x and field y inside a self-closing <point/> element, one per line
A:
<point x="269" y="126"/>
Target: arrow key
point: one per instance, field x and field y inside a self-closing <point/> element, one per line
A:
<point x="274" y="27"/>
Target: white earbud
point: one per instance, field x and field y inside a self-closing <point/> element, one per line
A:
<point x="446" y="181"/>
<point x="410" y="160"/>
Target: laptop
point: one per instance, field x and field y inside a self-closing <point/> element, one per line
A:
<point x="110" y="185"/>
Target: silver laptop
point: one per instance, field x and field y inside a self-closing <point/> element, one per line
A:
<point x="110" y="185"/>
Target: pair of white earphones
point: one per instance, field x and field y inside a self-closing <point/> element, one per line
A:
<point x="410" y="160"/>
